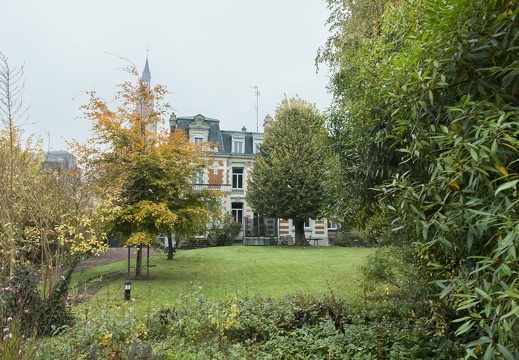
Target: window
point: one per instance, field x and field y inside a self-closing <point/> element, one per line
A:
<point x="256" y="147"/>
<point x="332" y="224"/>
<point x="237" y="211"/>
<point x="238" y="145"/>
<point x="198" y="138"/>
<point x="237" y="178"/>
<point x="200" y="177"/>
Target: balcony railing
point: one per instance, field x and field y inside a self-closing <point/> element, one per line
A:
<point x="238" y="192"/>
<point x="217" y="187"/>
<point x="220" y="187"/>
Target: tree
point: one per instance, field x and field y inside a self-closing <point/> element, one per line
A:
<point x="47" y="222"/>
<point x="144" y="177"/>
<point x="288" y="172"/>
<point x="13" y="159"/>
<point x="357" y="124"/>
<point x="425" y="124"/>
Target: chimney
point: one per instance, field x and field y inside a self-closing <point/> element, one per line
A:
<point x="172" y="122"/>
<point x="244" y="129"/>
<point x="267" y="122"/>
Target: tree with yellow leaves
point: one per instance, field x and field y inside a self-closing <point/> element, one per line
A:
<point x="144" y="175"/>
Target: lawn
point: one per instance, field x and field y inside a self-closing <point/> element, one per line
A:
<point x="211" y="309"/>
<point x="218" y="272"/>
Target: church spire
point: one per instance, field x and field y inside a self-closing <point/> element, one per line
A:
<point x="146" y="74"/>
<point x="146" y="110"/>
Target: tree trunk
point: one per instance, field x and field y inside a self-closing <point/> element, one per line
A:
<point x="300" y="239"/>
<point x="170" y="247"/>
<point x="147" y="260"/>
<point x="138" y="264"/>
<point x="54" y="312"/>
<point x="60" y="293"/>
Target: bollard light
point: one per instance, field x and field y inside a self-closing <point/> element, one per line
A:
<point x="127" y="289"/>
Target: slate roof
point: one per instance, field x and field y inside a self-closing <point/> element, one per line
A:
<point x="221" y="137"/>
<point x="227" y="141"/>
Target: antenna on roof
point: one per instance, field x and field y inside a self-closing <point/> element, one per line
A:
<point x="257" y="93"/>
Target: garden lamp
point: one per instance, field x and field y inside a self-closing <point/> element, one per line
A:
<point x="127" y="289"/>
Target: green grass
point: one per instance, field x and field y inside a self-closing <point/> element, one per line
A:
<point x="230" y="271"/>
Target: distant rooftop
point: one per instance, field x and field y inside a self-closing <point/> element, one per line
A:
<point x="59" y="160"/>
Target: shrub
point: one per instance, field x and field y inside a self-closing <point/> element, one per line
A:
<point x="384" y="268"/>
<point x="13" y="343"/>
<point x="353" y="238"/>
<point x="295" y="327"/>
<point x="223" y="233"/>
<point x="19" y="299"/>
<point x="105" y="337"/>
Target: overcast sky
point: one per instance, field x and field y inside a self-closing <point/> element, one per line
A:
<point x="208" y="53"/>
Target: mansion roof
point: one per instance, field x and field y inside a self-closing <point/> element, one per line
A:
<point x="223" y="138"/>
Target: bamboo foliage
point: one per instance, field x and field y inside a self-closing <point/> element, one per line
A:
<point x="425" y="127"/>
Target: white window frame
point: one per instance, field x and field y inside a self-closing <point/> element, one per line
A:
<point x="256" y="143"/>
<point x="200" y="177"/>
<point x="239" y="177"/>
<point x="198" y="138"/>
<point x="257" y="140"/>
<point x="238" y="145"/>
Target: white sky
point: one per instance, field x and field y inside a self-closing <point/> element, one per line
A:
<point x="207" y="52"/>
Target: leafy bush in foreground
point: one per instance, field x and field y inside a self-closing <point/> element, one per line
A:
<point x="296" y="327"/>
<point x="425" y="126"/>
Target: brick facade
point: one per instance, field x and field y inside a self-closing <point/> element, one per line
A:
<point x="230" y="168"/>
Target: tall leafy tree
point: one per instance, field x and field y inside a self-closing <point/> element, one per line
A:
<point x="426" y="110"/>
<point x="287" y="178"/>
<point x="355" y="51"/>
<point x="144" y="176"/>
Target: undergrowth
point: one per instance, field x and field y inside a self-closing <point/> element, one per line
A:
<point x="295" y="327"/>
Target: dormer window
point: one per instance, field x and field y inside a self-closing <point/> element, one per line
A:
<point x="238" y="144"/>
<point x="256" y="148"/>
<point x="199" y="130"/>
<point x="257" y="140"/>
